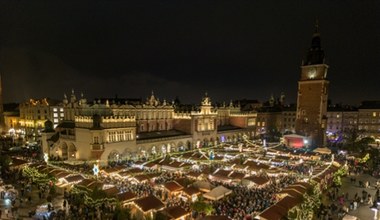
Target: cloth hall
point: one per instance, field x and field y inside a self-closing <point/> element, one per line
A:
<point x="107" y="130"/>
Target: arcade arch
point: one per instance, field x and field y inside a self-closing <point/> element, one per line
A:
<point x="72" y="151"/>
<point x="64" y="151"/>
<point x="114" y="155"/>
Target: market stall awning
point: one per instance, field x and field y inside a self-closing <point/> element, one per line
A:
<point x="149" y="203"/>
<point x="126" y="196"/>
<point x="74" y="178"/>
<point x="176" y="212"/>
<point x="112" y="191"/>
<point x="322" y="150"/>
<point x="173" y="186"/>
<point x="217" y="193"/>
<point x="257" y="180"/>
<point x="204" y="186"/>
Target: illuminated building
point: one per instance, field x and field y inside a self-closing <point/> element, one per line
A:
<point x="113" y="130"/>
<point x="34" y="113"/>
<point x="369" y="118"/>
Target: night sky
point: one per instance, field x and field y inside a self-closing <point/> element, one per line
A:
<point x="231" y="49"/>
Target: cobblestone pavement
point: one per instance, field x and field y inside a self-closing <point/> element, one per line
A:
<point x="24" y="207"/>
<point x="364" y="211"/>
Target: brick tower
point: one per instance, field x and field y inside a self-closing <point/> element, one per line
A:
<point x="313" y="93"/>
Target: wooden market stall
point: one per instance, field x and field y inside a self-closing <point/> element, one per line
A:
<point x="217" y="193"/>
<point x="148" y="206"/>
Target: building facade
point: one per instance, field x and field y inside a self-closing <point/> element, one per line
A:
<point x="35" y="112"/>
<point x="109" y="131"/>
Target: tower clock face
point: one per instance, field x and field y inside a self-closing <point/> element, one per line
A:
<point x="312" y="73"/>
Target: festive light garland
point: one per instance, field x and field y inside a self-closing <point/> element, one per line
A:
<point x="84" y="192"/>
<point x="36" y="176"/>
<point x="245" y="137"/>
<point x="364" y="159"/>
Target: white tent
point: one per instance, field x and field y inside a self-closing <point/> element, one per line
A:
<point x="217" y="193"/>
<point x="204" y="186"/>
<point x="349" y="217"/>
<point x="293" y="136"/>
<point x="322" y="150"/>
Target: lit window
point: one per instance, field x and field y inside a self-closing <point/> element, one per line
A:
<point x="55" y="115"/>
<point x="337" y="116"/>
<point x="61" y="109"/>
<point x="62" y="115"/>
<point x="374" y="114"/>
<point x="55" y="109"/>
<point x="55" y="120"/>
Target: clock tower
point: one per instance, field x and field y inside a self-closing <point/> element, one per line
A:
<point x="312" y="94"/>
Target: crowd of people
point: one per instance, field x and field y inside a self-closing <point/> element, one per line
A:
<point x="250" y="201"/>
<point x="244" y="201"/>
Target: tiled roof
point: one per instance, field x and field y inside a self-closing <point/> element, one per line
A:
<point x="126" y="196"/>
<point x="191" y="191"/>
<point x="173" y="186"/>
<point x="74" y="178"/>
<point x="258" y="180"/>
<point x="149" y="203"/>
<point x="176" y="212"/>
<point x="113" y="191"/>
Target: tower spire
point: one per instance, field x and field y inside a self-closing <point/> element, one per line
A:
<point x="315" y="55"/>
<point x="316" y="30"/>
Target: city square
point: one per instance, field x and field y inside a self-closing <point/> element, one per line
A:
<point x="189" y="111"/>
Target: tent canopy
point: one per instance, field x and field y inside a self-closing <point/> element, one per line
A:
<point x="349" y="217"/>
<point x="293" y="136"/>
<point x="322" y="150"/>
<point x="217" y="193"/>
<point x="203" y="186"/>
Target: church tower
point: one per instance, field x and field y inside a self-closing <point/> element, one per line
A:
<point x="313" y="93"/>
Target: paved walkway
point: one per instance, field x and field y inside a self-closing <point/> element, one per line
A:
<point x="25" y="207"/>
<point x="363" y="212"/>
